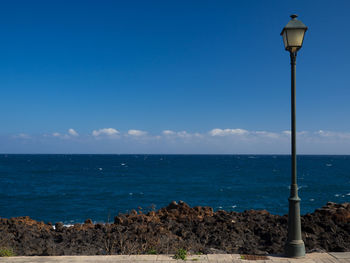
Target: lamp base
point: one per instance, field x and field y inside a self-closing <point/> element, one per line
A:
<point x="295" y="249"/>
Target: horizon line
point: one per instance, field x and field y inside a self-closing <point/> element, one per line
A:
<point x="261" y="154"/>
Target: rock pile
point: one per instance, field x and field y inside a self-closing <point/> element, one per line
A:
<point x="197" y="229"/>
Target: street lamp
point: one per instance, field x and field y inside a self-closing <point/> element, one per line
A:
<point x="293" y="36"/>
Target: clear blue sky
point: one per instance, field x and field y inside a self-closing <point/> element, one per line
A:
<point x="130" y="70"/>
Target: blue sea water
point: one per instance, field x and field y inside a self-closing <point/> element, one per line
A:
<point x="72" y="188"/>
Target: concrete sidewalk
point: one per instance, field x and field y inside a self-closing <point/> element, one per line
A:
<point x="310" y="258"/>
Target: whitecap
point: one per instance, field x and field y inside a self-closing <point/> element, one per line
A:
<point x="329" y="164"/>
<point x="130" y="193"/>
<point x="234" y="206"/>
<point x="100" y="169"/>
<point x="311" y="200"/>
<point x="65" y="225"/>
<point x="337" y="195"/>
<point x="122" y="164"/>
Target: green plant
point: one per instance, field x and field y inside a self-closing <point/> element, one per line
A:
<point x="152" y="251"/>
<point x="6" y="252"/>
<point x="181" y="254"/>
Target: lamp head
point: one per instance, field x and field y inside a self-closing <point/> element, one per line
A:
<point x="293" y="34"/>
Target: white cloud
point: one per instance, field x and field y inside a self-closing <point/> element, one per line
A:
<point x="323" y="133"/>
<point x="73" y="132"/>
<point x="225" y="132"/>
<point x="105" y="131"/>
<point x="22" y="136"/>
<point x="213" y="141"/>
<point x="183" y="134"/>
<point x="331" y="134"/>
<point x="168" y="132"/>
<point x="287" y="133"/>
<point x="59" y="135"/>
<point x="136" y="132"/>
<point x="271" y="135"/>
<point x="180" y="134"/>
<point x="302" y="133"/>
<point x="197" y="134"/>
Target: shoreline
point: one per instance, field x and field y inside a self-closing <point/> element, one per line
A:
<point x="165" y="231"/>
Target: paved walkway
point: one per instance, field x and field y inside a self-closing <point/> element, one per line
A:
<point x="310" y="258"/>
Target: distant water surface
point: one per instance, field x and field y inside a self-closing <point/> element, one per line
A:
<point x="72" y="188"/>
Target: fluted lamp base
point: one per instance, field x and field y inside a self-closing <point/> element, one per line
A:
<point x="295" y="249"/>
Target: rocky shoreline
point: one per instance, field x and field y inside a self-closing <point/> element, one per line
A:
<point x="197" y="229"/>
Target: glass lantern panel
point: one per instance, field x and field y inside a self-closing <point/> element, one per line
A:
<point x="295" y="37"/>
<point x="285" y="39"/>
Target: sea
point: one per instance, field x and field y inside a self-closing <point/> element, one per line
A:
<point x="72" y="188"/>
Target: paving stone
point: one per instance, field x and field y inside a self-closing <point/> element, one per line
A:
<point x="219" y="257"/>
<point x="211" y="258"/>
<point x="197" y="258"/>
<point x="340" y="255"/>
<point x="143" y="257"/>
<point x="165" y="258"/>
<point x="236" y="256"/>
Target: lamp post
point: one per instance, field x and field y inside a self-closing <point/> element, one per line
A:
<point x="293" y="36"/>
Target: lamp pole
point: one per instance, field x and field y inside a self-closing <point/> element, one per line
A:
<point x="295" y="246"/>
<point x="293" y="36"/>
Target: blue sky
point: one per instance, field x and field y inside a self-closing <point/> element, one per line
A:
<point x="171" y="77"/>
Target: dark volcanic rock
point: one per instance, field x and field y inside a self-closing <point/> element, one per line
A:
<point x="88" y="221"/>
<point x="197" y="229"/>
